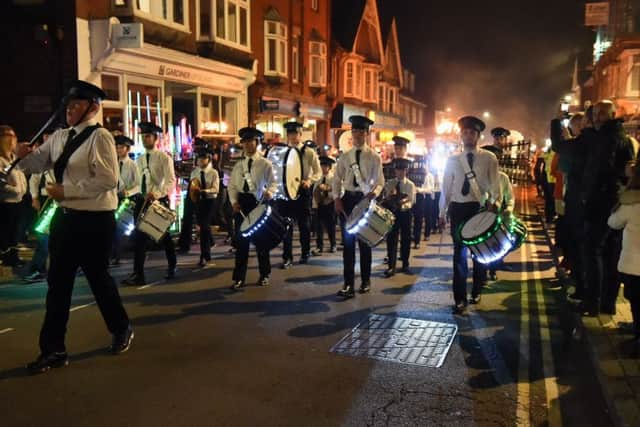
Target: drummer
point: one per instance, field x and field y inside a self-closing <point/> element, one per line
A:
<point x="359" y="174"/>
<point x="326" y="217"/>
<point x="400" y="196"/>
<point x="128" y="184"/>
<point x="209" y="185"/>
<point x="158" y="181"/>
<point x="463" y="195"/>
<point x="251" y="180"/>
<point x="500" y="136"/>
<point x="300" y="209"/>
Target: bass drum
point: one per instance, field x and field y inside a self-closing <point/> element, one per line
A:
<point x="264" y="227"/>
<point x="287" y="171"/>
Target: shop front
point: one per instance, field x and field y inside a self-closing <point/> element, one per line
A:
<point x="274" y="112"/>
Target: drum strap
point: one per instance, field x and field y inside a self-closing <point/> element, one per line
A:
<point x="70" y="147"/>
<point x="471" y="177"/>
<point x="246" y="173"/>
<point x="357" y="175"/>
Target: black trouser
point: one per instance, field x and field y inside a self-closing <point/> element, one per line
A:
<point x="632" y="293"/>
<point x="186" y="228"/>
<point x="326" y="220"/>
<point x="549" y="202"/>
<point x="419" y="215"/>
<point x="596" y="234"/>
<point x="141" y="240"/>
<point x="435" y="212"/>
<point x="574" y="220"/>
<point x="610" y="276"/>
<point x="300" y="211"/>
<point x="205" y="209"/>
<point x="461" y="212"/>
<point x="247" y="202"/>
<point x="80" y="239"/>
<point x="402" y="228"/>
<point x="349" y="201"/>
<point x="9" y="216"/>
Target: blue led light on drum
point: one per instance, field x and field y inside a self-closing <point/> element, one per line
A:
<point x="361" y="223"/>
<point x="258" y="225"/>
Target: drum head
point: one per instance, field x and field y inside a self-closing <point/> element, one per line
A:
<point x="478" y="225"/>
<point x="292" y="173"/>
<point x="358" y="213"/>
<point x="253" y="217"/>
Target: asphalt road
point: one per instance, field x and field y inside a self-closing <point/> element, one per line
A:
<point x="206" y="356"/>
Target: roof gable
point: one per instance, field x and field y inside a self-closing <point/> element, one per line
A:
<point x="368" y="41"/>
<point x="392" y="63"/>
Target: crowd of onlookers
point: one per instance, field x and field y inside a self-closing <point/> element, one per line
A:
<point x="591" y="188"/>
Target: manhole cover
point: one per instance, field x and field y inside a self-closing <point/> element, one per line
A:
<point x="399" y="339"/>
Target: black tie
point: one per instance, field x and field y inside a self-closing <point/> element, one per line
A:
<point x="246" y="188"/>
<point x="324" y="180"/>
<point x="120" y="175"/>
<point x="355" y="181"/>
<point x="203" y="183"/>
<point x="143" y="187"/>
<point x="466" y="186"/>
<point x="398" y="188"/>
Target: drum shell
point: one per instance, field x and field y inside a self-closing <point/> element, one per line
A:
<point x="379" y="222"/>
<point x="490" y="244"/>
<point x="156" y="220"/>
<point x="272" y="231"/>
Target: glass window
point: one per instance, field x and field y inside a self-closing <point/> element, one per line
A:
<point x="143" y="104"/>
<point x="244" y="27"/>
<point x="314" y="5"/>
<point x="178" y="11"/>
<point x="111" y="86"/>
<point x="295" y="61"/>
<point x="220" y="19"/>
<point x="205" y="18"/>
<point x="318" y="62"/>
<point x="219" y="115"/>
<point x="348" y="86"/>
<point x="276" y="48"/>
<point x="232" y="22"/>
<point x="173" y="11"/>
<point x="232" y="18"/>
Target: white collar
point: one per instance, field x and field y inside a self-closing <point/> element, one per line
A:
<point x="82" y="126"/>
<point x="255" y="156"/>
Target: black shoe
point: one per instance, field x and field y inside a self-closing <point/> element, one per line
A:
<point x="35" y="277"/>
<point x="333" y="249"/>
<point x="389" y="272"/>
<point x="47" y="362"/>
<point x="460" y="308"/>
<point x="385" y="260"/>
<point x="237" y="284"/>
<point x="264" y="281"/>
<point x="286" y="264"/>
<point x="365" y="287"/>
<point x="304" y="259"/>
<point x="202" y="263"/>
<point x="416" y="246"/>
<point x="493" y="276"/>
<point x="475" y="300"/>
<point x="171" y="273"/>
<point x="134" y="280"/>
<point x="316" y="252"/>
<point x="347" y="292"/>
<point x="407" y="270"/>
<point x="121" y="342"/>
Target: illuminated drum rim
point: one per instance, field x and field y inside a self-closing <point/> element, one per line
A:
<point x="483" y="237"/>
<point x="263" y="213"/>
<point x="365" y="208"/>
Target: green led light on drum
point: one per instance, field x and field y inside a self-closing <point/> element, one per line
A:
<point x="123" y="206"/>
<point x="42" y="226"/>
<point x="483" y="237"/>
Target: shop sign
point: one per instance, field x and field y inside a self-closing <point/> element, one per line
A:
<point x="269" y="105"/>
<point x="129" y="35"/>
<point x="596" y="14"/>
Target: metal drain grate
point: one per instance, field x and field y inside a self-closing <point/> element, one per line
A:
<point x="399" y="339"/>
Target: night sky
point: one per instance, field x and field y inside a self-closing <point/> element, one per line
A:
<point x="513" y="58"/>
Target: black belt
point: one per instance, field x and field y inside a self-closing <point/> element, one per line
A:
<point x="69" y="211"/>
<point x="354" y="193"/>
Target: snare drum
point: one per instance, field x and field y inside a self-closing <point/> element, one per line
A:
<point x="45" y="216"/>
<point x="370" y="222"/>
<point x="287" y="171"/>
<point x="125" y="217"/>
<point x="518" y="231"/>
<point x="487" y="236"/>
<point x="264" y="227"/>
<point x="156" y="220"/>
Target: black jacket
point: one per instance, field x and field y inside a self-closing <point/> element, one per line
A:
<point x="604" y="173"/>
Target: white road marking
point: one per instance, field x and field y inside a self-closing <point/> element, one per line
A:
<point x="82" y="306"/>
<point x="4" y="331"/>
<point x="523" y="405"/>
<point x="148" y="285"/>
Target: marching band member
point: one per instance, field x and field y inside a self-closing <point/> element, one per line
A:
<point x="422" y="209"/>
<point x="157" y="182"/>
<point x="128" y="183"/>
<point x="500" y="136"/>
<point x="85" y="166"/>
<point x="399" y="197"/>
<point x="10" y="197"/>
<point x="359" y="174"/>
<point x="326" y="217"/>
<point x="251" y="180"/>
<point x="470" y="182"/>
<point x="205" y="194"/>
<point x="300" y="209"/>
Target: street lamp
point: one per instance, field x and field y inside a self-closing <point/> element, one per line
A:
<point x="486" y="114"/>
<point x="448" y="109"/>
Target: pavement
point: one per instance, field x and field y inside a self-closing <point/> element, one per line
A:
<point x="206" y="356"/>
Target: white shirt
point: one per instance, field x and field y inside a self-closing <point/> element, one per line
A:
<point x="406" y="187"/>
<point x="129" y="182"/>
<point x="310" y="163"/>
<point x="160" y="176"/>
<point x="211" y="187"/>
<point x="485" y="166"/>
<point x="34" y="183"/>
<point x="427" y="185"/>
<point x="508" y="202"/>
<point x="370" y="169"/>
<point x="261" y="175"/>
<point x="91" y="178"/>
<point x="16" y="183"/>
<point x="324" y="180"/>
